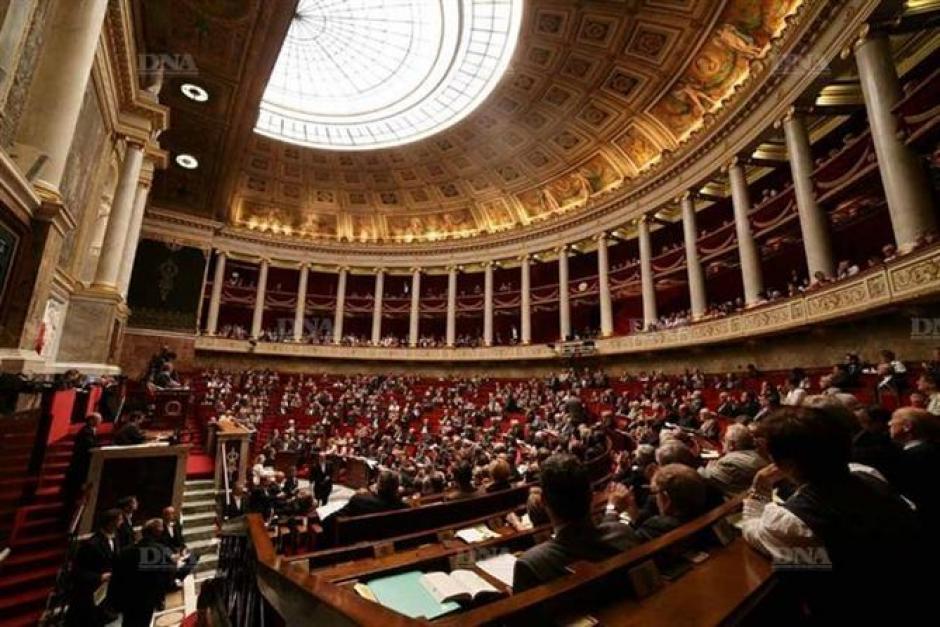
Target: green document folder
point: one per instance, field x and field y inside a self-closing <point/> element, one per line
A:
<point x="405" y="594"/>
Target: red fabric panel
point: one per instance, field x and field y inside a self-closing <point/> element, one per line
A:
<point x="61" y="410"/>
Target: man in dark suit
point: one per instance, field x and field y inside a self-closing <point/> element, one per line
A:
<point x="679" y="494"/>
<point x="237" y="504"/>
<point x="918" y="434"/>
<point x="321" y="475"/>
<point x="386" y="498"/>
<point x="143" y="575"/>
<point x="125" y="530"/>
<point x="566" y="493"/>
<point x="172" y="538"/>
<point x="172" y="531"/>
<point x="91" y="567"/>
<point x="130" y="433"/>
<point x="85" y="440"/>
<point x="872" y="446"/>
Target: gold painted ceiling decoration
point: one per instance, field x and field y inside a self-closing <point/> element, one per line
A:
<point x="596" y="93"/>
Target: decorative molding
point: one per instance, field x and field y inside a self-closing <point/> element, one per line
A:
<point x="907" y="279"/>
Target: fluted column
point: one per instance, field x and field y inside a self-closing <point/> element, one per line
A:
<point x="814" y="224"/>
<point x="751" y="273"/>
<point x="377" y="306"/>
<point x="488" y="304"/>
<point x="907" y="188"/>
<point x="451" y="306"/>
<point x="525" y="293"/>
<point x="697" y="299"/>
<point x="414" y="327"/>
<point x="119" y="222"/>
<point x="133" y="233"/>
<point x="603" y="284"/>
<point x="262" y="287"/>
<point x="339" y="316"/>
<point x="300" y="310"/>
<point x="215" y="300"/>
<point x="646" y="273"/>
<point x="57" y="88"/>
<point x="564" y="304"/>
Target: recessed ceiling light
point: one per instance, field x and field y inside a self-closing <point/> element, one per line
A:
<point x="194" y="92"/>
<point x="187" y="161"/>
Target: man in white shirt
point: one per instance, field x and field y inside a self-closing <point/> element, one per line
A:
<point x="843" y="537"/>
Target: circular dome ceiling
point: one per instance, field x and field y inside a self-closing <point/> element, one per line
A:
<point x="365" y="74"/>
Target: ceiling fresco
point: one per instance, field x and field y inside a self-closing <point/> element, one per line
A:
<point x="596" y="93"/>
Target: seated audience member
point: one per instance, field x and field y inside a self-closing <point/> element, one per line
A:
<point x="680" y="495"/>
<point x="237" y="504"/>
<point x="144" y="573"/>
<point x="918" y="434"/>
<point x="927" y="385"/>
<point x="93" y="566"/>
<point x="130" y="433"/>
<point x="463" y="480"/>
<point x="535" y="513"/>
<point x="500" y="471"/>
<point x="566" y="493"/>
<point x="733" y="472"/>
<point x="872" y="445"/>
<point x="386" y="498"/>
<point x="842" y="536"/>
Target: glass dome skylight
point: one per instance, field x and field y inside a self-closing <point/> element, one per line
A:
<point x="361" y="74"/>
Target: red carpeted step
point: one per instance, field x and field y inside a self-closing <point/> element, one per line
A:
<point x="16" y="605"/>
<point x="29" y="619"/>
<point x="32" y="542"/>
<point x="23" y="581"/>
<point x="20" y="561"/>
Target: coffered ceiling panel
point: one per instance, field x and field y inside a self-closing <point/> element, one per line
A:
<point x="595" y="93"/>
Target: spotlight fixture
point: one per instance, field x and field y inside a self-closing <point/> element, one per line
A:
<point x="194" y="92"/>
<point x="187" y="161"/>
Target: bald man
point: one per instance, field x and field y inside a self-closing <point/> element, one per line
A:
<point x="917" y="432"/>
<point x="733" y="472"/>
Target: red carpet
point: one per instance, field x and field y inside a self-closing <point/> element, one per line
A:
<point x="199" y="466"/>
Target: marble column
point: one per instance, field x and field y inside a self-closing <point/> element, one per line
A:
<point x="215" y="300"/>
<point x="564" y="304"/>
<point x="697" y="299"/>
<point x="339" y="316"/>
<point x="525" y="294"/>
<point x="108" y="272"/>
<point x="377" y="306"/>
<point x="133" y="235"/>
<point x="451" y="306"/>
<point x="648" y="284"/>
<point x="300" y="311"/>
<point x="258" y="315"/>
<point x="906" y="186"/>
<point x="57" y="88"/>
<point x="488" y="304"/>
<point x="414" y="328"/>
<point x="603" y="285"/>
<point x="748" y="253"/>
<point x="814" y="223"/>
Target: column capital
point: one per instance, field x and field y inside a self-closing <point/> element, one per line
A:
<point x="524" y="257"/>
<point x="563" y="249"/>
<point x="602" y="236"/>
<point x="340" y="269"/>
<point x="379" y="270"/>
<point x="416" y="270"/>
